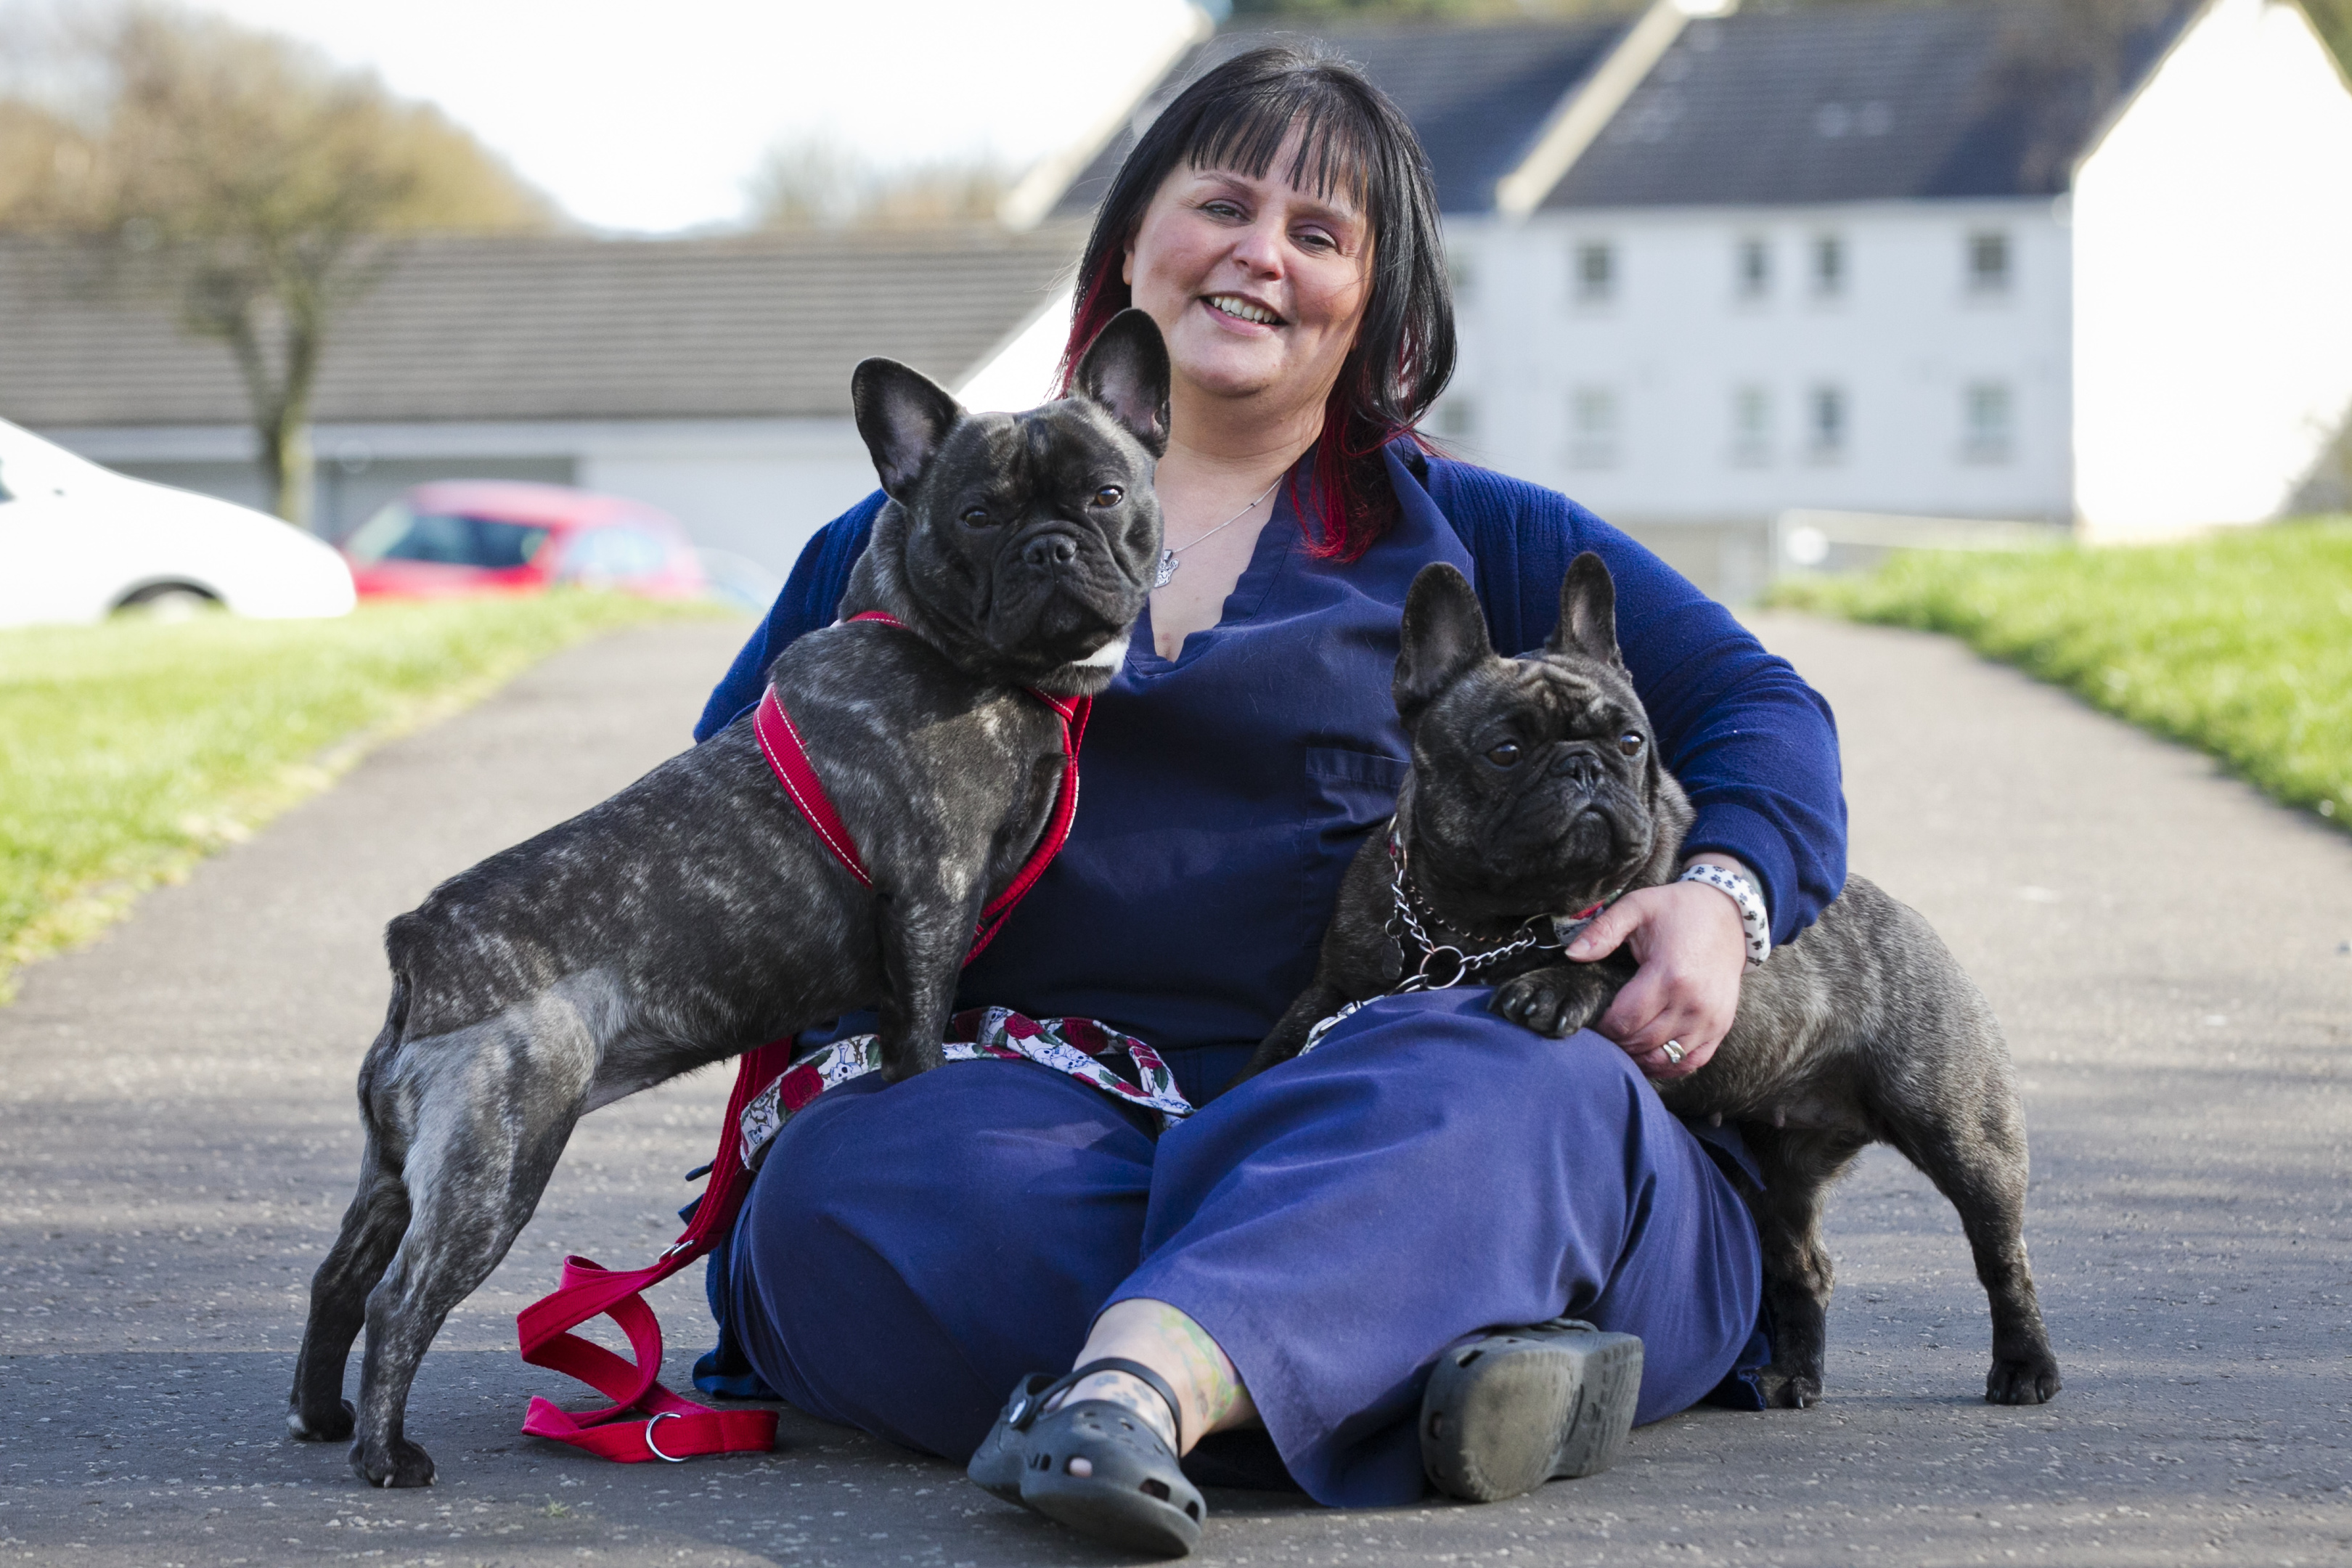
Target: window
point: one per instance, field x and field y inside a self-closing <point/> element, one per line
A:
<point x="1596" y="273"/>
<point x="1591" y="428"/>
<point x="1825" y="422"/>
<point x="1752" y="268"/>
<point x="395" y="533"/>
<point x="1987" y="417"/>
<point x="1988" y="263"/>
<point x="1457" y="417"/>
<point x="1829" y="265"/>
<point x="1751" y="426"/>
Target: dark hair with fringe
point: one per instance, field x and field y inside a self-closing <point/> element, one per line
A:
<point x="1237" y="116"/>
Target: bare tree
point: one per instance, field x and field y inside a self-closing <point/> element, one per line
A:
<point x="815" y="182"/>
<point x="259" y="186"/>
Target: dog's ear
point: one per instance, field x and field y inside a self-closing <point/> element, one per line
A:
<point x="904" y="416"/>
<point x="1444" y="636"/>
<point x="1126" y="371"/>
<point x="1588" y="612"/>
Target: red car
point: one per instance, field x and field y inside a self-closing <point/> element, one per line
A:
<point x="494" y="536"/>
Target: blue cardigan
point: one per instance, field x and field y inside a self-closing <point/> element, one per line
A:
<point x="1752" y="743"/>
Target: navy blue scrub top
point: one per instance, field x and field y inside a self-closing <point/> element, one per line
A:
<point x="1225" y="792"/>
<point x="1222" y="797"/>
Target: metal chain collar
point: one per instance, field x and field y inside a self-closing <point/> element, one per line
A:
<point x="1445" y="965"/>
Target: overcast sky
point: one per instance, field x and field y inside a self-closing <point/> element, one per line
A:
<point x="650" y="114"/>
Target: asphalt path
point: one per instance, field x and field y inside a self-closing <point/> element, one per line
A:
<point x="2170" y="955"/>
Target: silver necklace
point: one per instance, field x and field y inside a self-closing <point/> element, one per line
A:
<point x="1167" y="561"/>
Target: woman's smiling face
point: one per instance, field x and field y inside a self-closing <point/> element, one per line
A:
<point x="1258" y="285"/>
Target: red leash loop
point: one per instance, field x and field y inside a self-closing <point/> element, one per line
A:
<point x="589" y="1289"/>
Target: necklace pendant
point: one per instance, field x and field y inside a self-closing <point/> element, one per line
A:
<point x="1167" y="569"/>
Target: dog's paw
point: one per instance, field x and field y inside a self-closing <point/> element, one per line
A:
<point x="322" y="1427"/>
<point x="1540" y="1002"/>
<point x="400" y="1463"/>
<point x="1788" y="1390"/>
<point x="2033" y="1381"/>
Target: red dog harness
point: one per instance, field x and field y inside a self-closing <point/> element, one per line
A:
<point x="588" y="1289"/>
<point x="789" y="759"/>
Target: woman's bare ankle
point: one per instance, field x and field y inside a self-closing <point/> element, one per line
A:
<point x="1135" y="1394"/>
<point x="1205" y="1382"/>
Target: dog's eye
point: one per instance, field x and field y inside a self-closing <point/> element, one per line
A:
<point x="976" y="516"/>
<point x="1506" y="756"/>
<point x="1629" y="743"/>
<point x="1109" y="495"/>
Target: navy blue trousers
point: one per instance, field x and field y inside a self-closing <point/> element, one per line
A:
<point x="909" y="1252"/>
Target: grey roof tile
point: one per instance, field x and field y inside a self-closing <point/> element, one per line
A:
<point x="1478" y="94"/>
<point x="497" y="328"/>
<point x="1865" y="103"/>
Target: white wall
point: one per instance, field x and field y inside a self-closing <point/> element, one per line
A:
<point x="2213" y="283"/>
<point x="759" y="488"/>
<point x="1904" y="340"/>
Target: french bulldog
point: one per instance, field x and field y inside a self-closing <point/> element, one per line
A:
<point x="1537" y="793"/>
<point x="696" y="914"/>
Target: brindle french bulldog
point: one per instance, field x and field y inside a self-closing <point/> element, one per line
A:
<point x="696" y="914"/>
<point x="1537" y="790"/>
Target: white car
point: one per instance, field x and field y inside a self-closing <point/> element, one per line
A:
<point x="78" y="542"/>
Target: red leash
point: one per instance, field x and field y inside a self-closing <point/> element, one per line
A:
<point x="589" y="1289"/>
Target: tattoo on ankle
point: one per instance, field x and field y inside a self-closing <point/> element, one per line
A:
<point x="1210" y="1380"/>
<point x="1147" y="1405"/>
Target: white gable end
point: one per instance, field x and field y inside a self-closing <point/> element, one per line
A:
<point x="2212" y="231"/>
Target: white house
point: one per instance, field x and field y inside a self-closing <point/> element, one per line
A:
<point x="1961" y="261"/>
<point x="709" y="377"/>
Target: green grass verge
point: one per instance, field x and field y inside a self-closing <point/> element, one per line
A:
<point x="2239" y="642"/>
<point x="130" y="751"/>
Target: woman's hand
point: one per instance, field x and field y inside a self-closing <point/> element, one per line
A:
<point x="1687" y="938"/>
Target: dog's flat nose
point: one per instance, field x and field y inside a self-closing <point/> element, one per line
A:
<point x="1052" y="550"/>
<point x="1575" y="762"/>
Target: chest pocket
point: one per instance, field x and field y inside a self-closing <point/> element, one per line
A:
<point x="1350" y="790"/>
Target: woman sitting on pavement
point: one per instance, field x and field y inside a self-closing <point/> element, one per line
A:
<point x="1284" y="1266"/>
